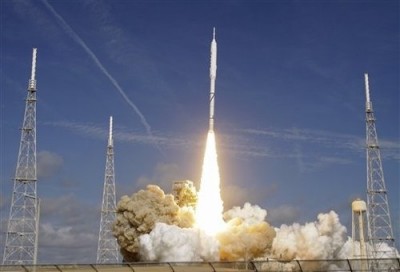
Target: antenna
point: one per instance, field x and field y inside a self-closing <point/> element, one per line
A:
<point x="32" y="81"/>
<point x="368" y="104"/>
<point x="23" y="223"/>
<point x="110" y="140"/>
<point x="379" y="223"/>
<point x="107" y="248"/>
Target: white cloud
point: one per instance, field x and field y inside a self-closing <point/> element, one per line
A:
<point x="48" y="163"/>
<point x="250" y="143"/>
<point x="234" y="195"/>
<point x="52" y="236"/>
<point x="69" y="230"/>
<point x="164" y="174"/>
<point x="66" y="245"/>
<point x="119" y="134"/>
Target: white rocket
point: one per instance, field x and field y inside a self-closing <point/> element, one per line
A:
<point x="213" y="76"/>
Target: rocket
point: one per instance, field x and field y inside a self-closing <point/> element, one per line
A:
<point x="213" y="76"/>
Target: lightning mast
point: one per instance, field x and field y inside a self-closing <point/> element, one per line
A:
<point x="107" y="250"/>
<point x="379" y="222"/>
<point x="22" y="231"/>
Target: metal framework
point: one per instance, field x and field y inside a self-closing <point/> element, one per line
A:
<point x="268" y="265"/>
<point x="379" y="222"/>
<point x="22" y="231"/>
<point x="107" y="250"/>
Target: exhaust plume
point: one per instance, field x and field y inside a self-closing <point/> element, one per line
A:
<point x="247" y="235"/>
<point x="150" y="226"/>
<point x="318" y="240"/>
<point x="209" y="206"/>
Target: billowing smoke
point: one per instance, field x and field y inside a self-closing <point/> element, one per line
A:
<point x="247" y="235"/>
<point x="138" y="214"/>
<point x="151" y="226"/>
<point x="167" y="243"/>
<point x="317" y="240"/>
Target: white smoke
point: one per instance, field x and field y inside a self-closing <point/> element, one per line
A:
<point x="247" y="235"/>
<point x="138" y="215"/>
<point x="318" y="240"/>
<point x="167" y="243"/>
<point x="150" y="226"/>
<point x="249" y="213"/>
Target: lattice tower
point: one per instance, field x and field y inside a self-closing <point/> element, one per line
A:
<point x="107" y="250"/>
<point x="22" y="231"/>
<point x="379" y="222"/>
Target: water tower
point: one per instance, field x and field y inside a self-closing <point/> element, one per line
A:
<point x="359" y="229"/>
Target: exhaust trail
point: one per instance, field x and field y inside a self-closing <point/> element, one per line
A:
<point x="79" y="41"/>
<point x="210" y="206"/>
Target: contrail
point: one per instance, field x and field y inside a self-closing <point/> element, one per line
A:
<point x="78" y="39"/>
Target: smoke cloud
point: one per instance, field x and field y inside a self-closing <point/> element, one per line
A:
<point x="151" y="226"/>
<point x="317" y="240"/>
<point x="168" y="243"/>
<point x="247" y="235"/>
<point x="138" y="214"/>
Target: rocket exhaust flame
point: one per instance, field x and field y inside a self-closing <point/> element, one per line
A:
<point x="210" y="206"/>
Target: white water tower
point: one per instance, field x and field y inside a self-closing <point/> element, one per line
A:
<point x="359" y="228"/>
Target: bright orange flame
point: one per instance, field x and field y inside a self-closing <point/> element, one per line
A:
<point x="209" y="204"/>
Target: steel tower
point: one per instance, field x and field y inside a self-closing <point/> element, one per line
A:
<point x="22" y="231"/>
<point x="107" y="250"/>
<point x="379" y="222"/>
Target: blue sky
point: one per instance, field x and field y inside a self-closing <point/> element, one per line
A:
<point x="290" y="102"/>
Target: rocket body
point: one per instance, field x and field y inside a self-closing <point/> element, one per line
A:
<point x="213" y="76"/>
